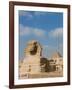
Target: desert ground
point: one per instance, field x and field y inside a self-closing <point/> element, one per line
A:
<point x="43" y="75"/>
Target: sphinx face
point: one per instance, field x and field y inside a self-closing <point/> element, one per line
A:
<point x="34" y="48"/>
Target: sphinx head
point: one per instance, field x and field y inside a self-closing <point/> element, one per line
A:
<point x="33" y="47"/>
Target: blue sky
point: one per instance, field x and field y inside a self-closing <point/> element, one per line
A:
<point x="45" y="27"/>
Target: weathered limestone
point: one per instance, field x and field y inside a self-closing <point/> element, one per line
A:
<point x="33" y="48"/>
<point x="32" y="62"/>
<point x="57" y="62"/>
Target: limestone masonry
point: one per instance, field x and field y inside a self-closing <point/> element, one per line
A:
<point x="34" y="63"/>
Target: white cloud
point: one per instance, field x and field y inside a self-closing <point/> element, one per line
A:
<point x="39" y="13"/>
<point x="58" y="32"/>
<point x="39" y="32"/>
<point x="31" y="31"/>
<point x="30" y="15"/>
<point x="25" y="13"/>
<point x="24" y="30"/>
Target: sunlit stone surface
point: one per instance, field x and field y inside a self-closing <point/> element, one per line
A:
<point x="34" y="65"/>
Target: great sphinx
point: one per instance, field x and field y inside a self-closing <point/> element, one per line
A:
<point x="33" y="61"/>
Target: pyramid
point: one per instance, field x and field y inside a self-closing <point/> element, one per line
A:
<point x="56" y="55"/>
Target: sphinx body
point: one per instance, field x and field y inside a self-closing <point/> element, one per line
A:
<point x="33" y="61"/>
